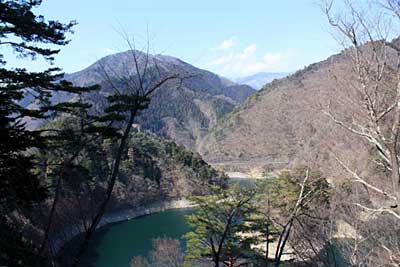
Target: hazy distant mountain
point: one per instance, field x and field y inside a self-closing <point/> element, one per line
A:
<point x="184" y="115"/>
<point x="258" y="80"/>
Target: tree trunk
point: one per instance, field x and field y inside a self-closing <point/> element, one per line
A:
<point x="395" y="176"/>
<point x="103" y="206"/>
<point x="267" y="247"/>
<point x="393" y="152"/>
<point x="216" y="261"/>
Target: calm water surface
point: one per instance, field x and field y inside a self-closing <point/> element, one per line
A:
<point x="117" y="244"/>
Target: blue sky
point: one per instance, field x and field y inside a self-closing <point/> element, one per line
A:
<point x="233" y="38"/>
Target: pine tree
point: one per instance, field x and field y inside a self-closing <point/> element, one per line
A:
<point x="221" y="225"/>
<point x="28" y="36"/>
<point x="131" y="96"/>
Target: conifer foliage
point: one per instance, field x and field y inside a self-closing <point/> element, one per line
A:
<point x="26" y="96"/>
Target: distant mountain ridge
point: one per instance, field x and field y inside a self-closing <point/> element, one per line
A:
<point x="122" y="64"/>
<point x="258" y="80"/>
<point x="184" y="115"/>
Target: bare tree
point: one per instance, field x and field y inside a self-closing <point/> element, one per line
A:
<point x="365" y="31"/>
<point x="294" y="203"/>
<point x="166" y="252"/>
<point x="375" y="62"/>
<point x="131" y="94"/>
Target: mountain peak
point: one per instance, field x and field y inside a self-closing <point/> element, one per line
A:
<point x="183" y="115"/>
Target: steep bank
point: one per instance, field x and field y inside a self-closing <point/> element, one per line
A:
<point x="155" y="174"/>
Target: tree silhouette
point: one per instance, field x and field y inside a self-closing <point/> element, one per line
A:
<point x="26" y="96"/>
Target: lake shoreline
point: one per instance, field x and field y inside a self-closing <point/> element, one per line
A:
<point x="68" y="234"/>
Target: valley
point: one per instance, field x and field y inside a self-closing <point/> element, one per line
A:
<point x="194" y="137"/>
<point x="234" y="135"/>
<point x="182" y="114"/>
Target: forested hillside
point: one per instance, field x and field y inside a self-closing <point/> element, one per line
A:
<point x="182" y="113"/>
<point x="303" y="172"/>
<point x="285" y="123"/>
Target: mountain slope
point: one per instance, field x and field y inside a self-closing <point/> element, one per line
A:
<point x="152" y="170"/>
<point x="122" y="64"/>
<point x="283" y="124"/>
<point x="258" y="80"/>
<point x="183" y="114"/>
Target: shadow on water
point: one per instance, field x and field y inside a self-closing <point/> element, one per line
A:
<point x="115" y="245"/>
<point x="71" y="248"/>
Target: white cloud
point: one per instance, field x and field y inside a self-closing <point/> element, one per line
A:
<point x="278" y="59"/>
<point x="221" y="60"/>
<point x="250" y="60"/>
<point x="232" y="57"/>
<point x="226" y="44"/>
<point x="249" y="51"/>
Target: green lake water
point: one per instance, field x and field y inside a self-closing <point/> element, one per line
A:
<point x="115" y="245"/>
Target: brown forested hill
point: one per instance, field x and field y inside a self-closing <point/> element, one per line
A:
<point x="283" y="124"/>
<point x="183" y="114"/>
